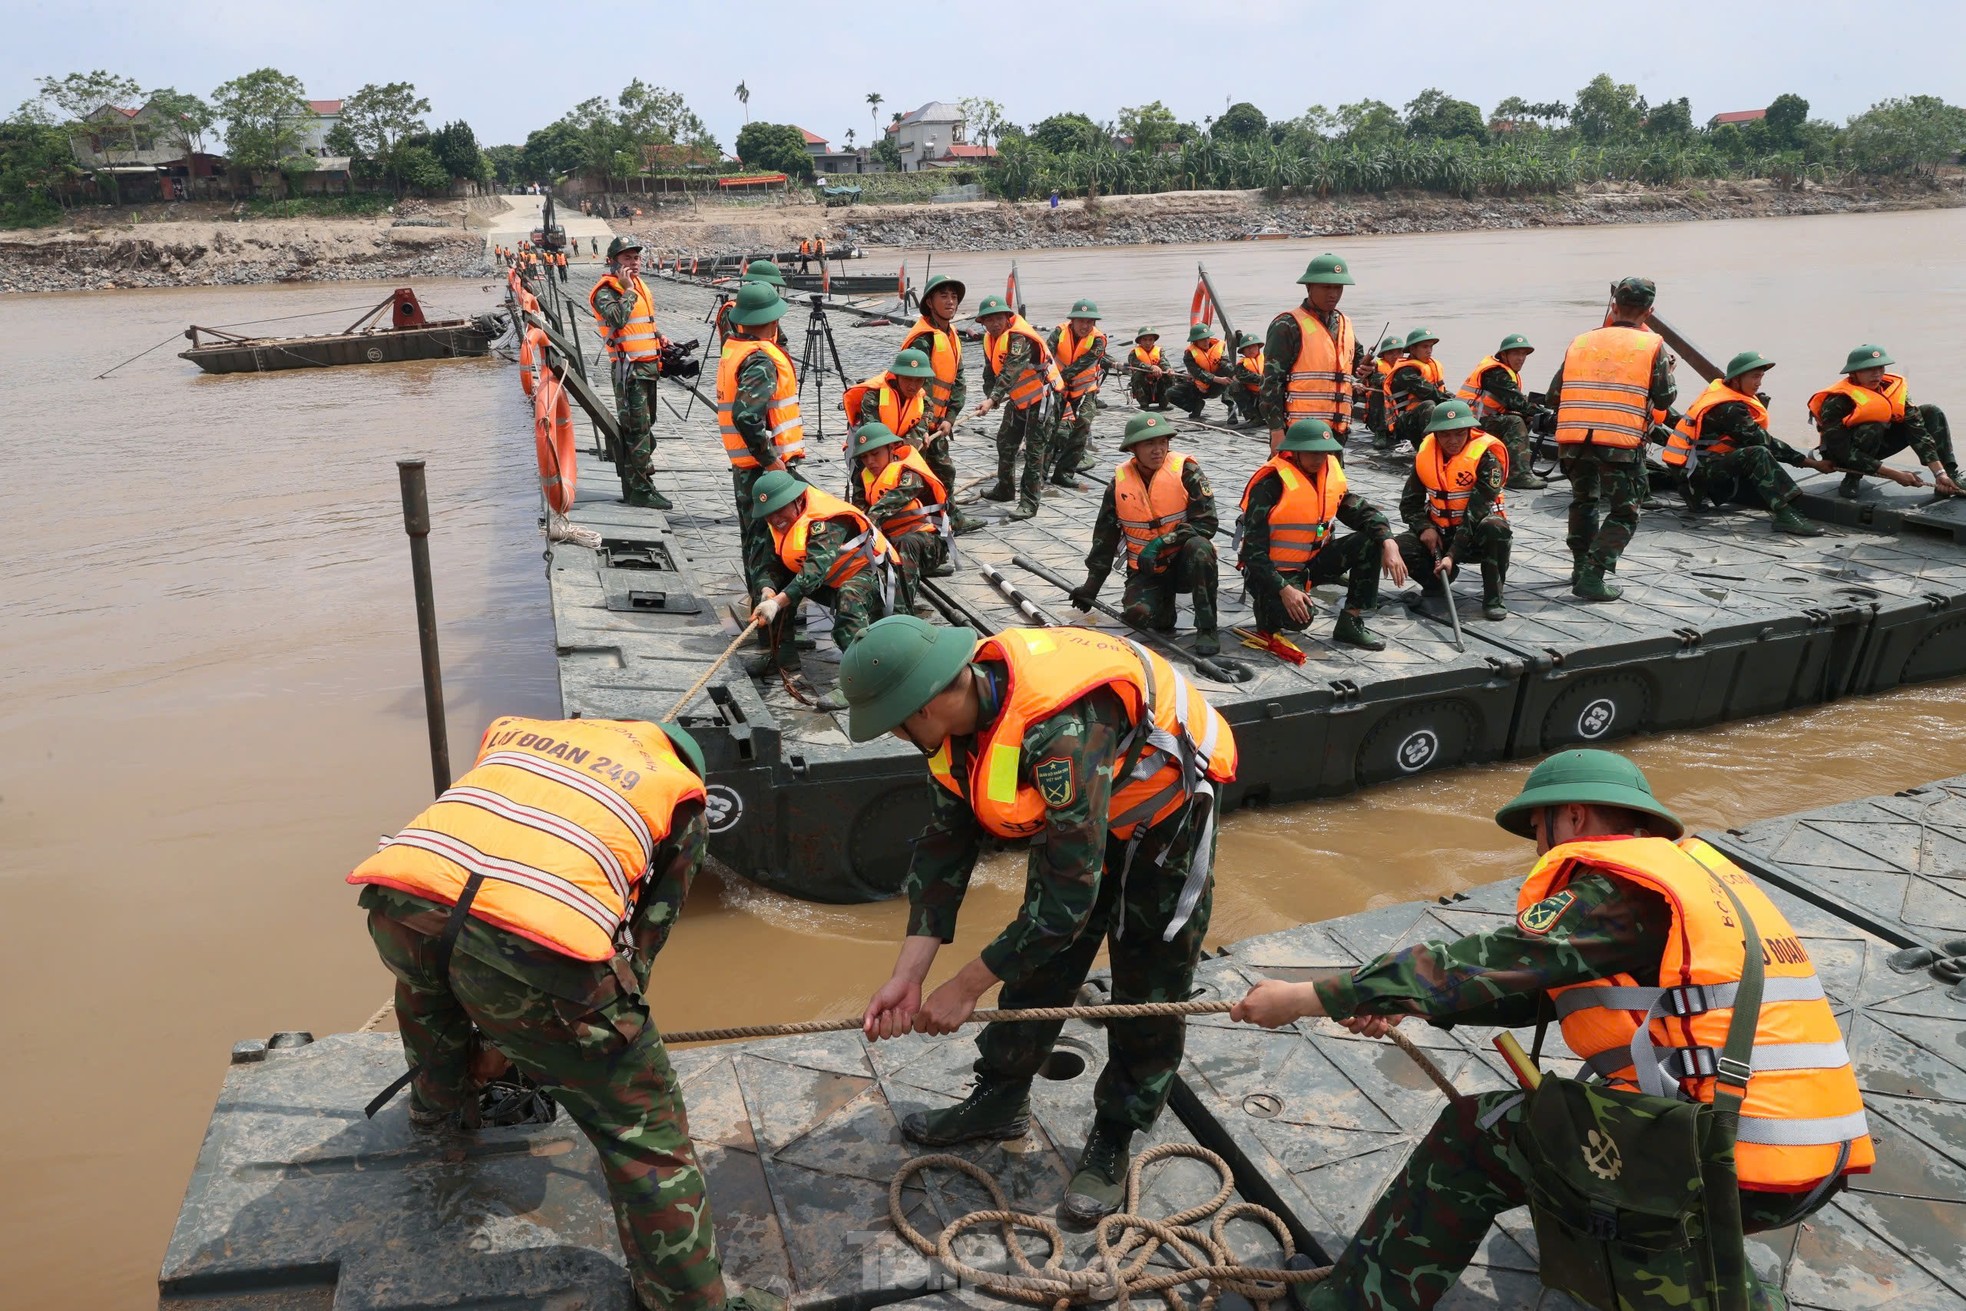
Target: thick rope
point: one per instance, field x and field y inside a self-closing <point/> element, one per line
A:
<point x="381" y="1014"/>
<point x="715" y="665"/>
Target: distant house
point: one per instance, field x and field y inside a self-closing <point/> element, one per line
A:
<point x="321" y="118"/>
<point x="928" y="133"/>
<point x="1737" y="116"/>
<point x="835" y="162"/>
<point x="115" y="137"/>
<point x="958" y="156"/>
<point x="815" y="144"/>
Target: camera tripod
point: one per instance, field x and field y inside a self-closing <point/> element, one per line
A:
<point x="819" y="346"/>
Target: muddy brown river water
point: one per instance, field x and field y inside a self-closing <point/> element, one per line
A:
<point x="209" y="696"/>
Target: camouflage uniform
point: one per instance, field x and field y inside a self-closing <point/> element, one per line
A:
<point x="1146" y="392"/>
<point x="1409" y="383"/>
<point x="1245" y="396"/>
<point x="1184" y="562"/>
<point x="1424" y="1229"/>
<point x="921" y="553"/>
<point x="935" y="449"/>
<point x="583" y="1032"/>
<point x="854" y="604"/>
<point x="1482" y="537"/>
<point x="1074" y="899"/>
<point x="1864" y="448"/>
<point x="1752" y="471"/>
<point x="1354" y="557"/>
<point x="1281" y="346"/>
<point x="1615" y="475"/>
<point x="1512" y="425"/>
<point x="757" y="380"/>
<point x="1377" y="412"/>
<point x="1194" y="388"/>
<point x="1070" y="443"/>
<point x="1030" y="428"/>
<point x="634" y="403"/>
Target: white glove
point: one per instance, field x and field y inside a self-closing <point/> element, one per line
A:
<point x="767" y="610"/>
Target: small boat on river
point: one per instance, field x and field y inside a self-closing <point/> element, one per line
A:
<point x="407" y="335"/>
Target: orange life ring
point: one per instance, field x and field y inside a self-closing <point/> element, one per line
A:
<point x="528" y="372"/>
<point x="553" y="435"/>
<point x="1200" y="309"/>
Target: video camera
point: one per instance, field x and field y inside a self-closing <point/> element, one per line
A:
<point x="673" y="360"/>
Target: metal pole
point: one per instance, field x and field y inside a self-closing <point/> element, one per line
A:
<point x="416" y="522"/>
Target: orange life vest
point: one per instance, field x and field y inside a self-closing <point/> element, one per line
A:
<point x="1803" y="1105"/>
<point x="561" y="817"/>
<point x="1477" y="397"/>
<point x="788" y="432"/>
<point x="1146" y="359"/>
<point x="638" y="338"/>
<point x="1073" y="349"/>
<point x="1885" y="405"/>
<point x="1206" y="357"/>
<point x="917" y="517"/>
<point x="1301" y="523"/>
<point x="1320" y="382"/>
<point x="945" y="356"/>
<point x="1429" y="370"/>
<point x="1042" y="373"/>
<point x="900" y="416"/>
<point x="1607" y="388"/>
<point x="866" y="546"/>
<point x="1249" y="372"/>
<point x="1149" y="507"/>
<point x="1450" y="482"/>
<point x="1688" y="445"/>
<point x="1180" y="745"/>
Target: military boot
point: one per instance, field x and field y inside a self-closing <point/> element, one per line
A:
<point x="1786" y="520"/>
<point x="1527" y="480"/>
<point x="1006" y="488"/>
<point x="754" y="1299"/>
<point x="1493" y="575"/>
<point x="1852" y="484"/>
<point x="1590" y="583"/>
<point x="1207" y="641"/>
<point x="995" y="1109"/>
<point x="1022" y="510"/>
<point x="1099" y="1184"/>
<point x="1351" y="630"/>
<point x="650" y="500"/>
<point x="961" y="523"/>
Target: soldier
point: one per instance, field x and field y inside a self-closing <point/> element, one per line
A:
<point x="1248" y="373"/>
<point x="1605" y="392"/>
<point x="897" y="397"/>
<point x="1614" y="898"/>
<point x="828" y="552"/>
<point x="1288" y="510"/>
<point x="934" y="334"/>
<point x="759" y="270"/>
<point x="1164" y="508"/>
<point x="1494" y="392"/>
<point x="1452" y="506"/>
<point x="1080" y="349"/>
<point x="1121" y="833"/>
<point x="1310" y="356"/>
<point x="1147" y="377"/>
<point x="1018" y="367"/>
<point x="757" y="416"/>
<point x="560" y="261"/>
<point x="1415" y="385"/>
<point x="1868" y="417"/>
<point x="625" y="310"/>
<point x="904" y="498"/>
<point x="1378" y="398"/>
<point x="1208" y="373"/>
<point x="1723" y="451"/>
<point x="551" y="967"/>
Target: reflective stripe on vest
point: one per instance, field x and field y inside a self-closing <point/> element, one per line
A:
<point x="787" y="431"/>
<point x="918" y="516"/>
<point x="1689" y="444"/>
<point x="1029" y="387"/>
<point x="560" y="819"/>
<point x="945" y="356"/>
<point x="1802" y="1105"/>
<point x="1484" y="405"/>
<point x="1885" y="405"/>
<point x="1450" y="482"/>
<point x="1320" y="381"/>
<point x="900" y="416"/>
<point x="1607" y="386"/>
<point x="638" y="338"/>
<point x="1300" y="525"/>
<point x="1148" y="507"/>
<point x="1071" y="350"/>
<point x="866" y="546"/>
<point x="1208" y="359"/>
<point x="1428" y="369"/>
<point x="1146" y="359"/>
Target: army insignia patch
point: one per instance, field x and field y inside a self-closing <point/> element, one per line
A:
<point x="1601" y="1155"/>
<point x="1542" y="917"/>
<point x="1056" y="780"/>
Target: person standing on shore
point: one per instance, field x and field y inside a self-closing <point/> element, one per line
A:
<point x="758" y="418"/>
<point x="1080" y="349"/>
<point x="1612" y="380"/>
<point x="1147" y="378"/>
<point x="1018" y="368"/>
<point x="1494" y="392"/>
<point x="1723" y="451"/>
<point x="1869" y="416"/>
<point x="934" y="335"/>
<point x="1416" y="385"/>
<point x="1311" y="356"/>
<point x="624" y="308"/>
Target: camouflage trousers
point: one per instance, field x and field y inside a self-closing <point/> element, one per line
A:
<point x="1353" y="557"/>
<point x="1491" y="542"/>
<point x="1621" y="485"/>
<point x="754" y="533"/>
<point x="594" y="1047"/>
<point x="1424" y="1229"/>
<point x="1070" y="442"/>
<point x="1149" y="598"/>
<point x="1131" y="913"/>
<point x="920" y="553"/>
<point x="1513" y="433"/>
<point x="940" y="460"/>
<point x="1751" y="475"/>
<point x="1881" y="441"/>
<point x="634" y="408"/>
<point x="1030" y="428"/>
<point x="1148" y="391"/>
<point x="1377" y="421"/>
<point x="1411" y="427"/>
<point x="1186" y="394"/>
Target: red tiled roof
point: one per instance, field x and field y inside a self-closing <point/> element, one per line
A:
<point x="1740" y="116"/>
<point x="813" y="138"/>
<point x="325" y="106"/>
<point x="970" y="152"/>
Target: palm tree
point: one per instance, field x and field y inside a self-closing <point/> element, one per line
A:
<point x="849" y="138"/>
<point x="874" y="99"/>
<point x="743" y="94"/>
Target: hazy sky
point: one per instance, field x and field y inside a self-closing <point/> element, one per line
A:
<point x="508" y="68"/>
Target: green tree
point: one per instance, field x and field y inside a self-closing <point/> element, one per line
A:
<point x="1368" y="122"/>
<point x="874" y="99"/>
<point x="1063" y="133"/>
<point x="455" y="147"/>
<point x="182" y="118"/>
<point x="743" y="94"/>
<point x="263" y="112"/>
<point x="774" y="147"/>
<point x="1433" y="115"/>
<point x="983" y="117"/>
<point x="1907" y="135"/>
<point x="1788" y="114"/>
<point x="417" y="167"/>
<point x="888" y="151"/>
<point x="507" y="163"/>
<point x="1607" y="111"/>
<point x="79" y="95"/>
<point x="1151" y="126"/>
<point x="1241" y="121"/>
<point x="35" y="163"/>
<point x="1670" y="120"/>
<point x="380" y="117"/>
<point x="655" y="116"/>
<point x="551" y="151"/>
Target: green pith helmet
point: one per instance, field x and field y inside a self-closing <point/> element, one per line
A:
<point x="622" y="245"/>
<point x="1451" y="415"/>
<point x="871" y="437"/>
<point x="1142" y="427"/>
<point x="1147" y="332"/>
<point x="1327" y="269"/>
<point x="896" y="668"/>
<point x="992" y="305"/>
<point x="1584" y="777"/>
<point x="1745" y="362"/>
<point x="1083" y="309"/>
<point x="1418" y="335"/>
<point x="1244" y="340"/>
<point x="774" y="490"/>
<point x="685" y="745"/>
<point x="939" y="281"/>
<point x="1310" y="435"/>
<point x="1867" y="357"/>
<point x="1201" y="332"/>
<point x="1515" y="341"/>
<point x="1392" y="343"/>
<point x="912" y="363"/>
<point x="1638" y="292"/>
<point x="757" y="303"/>
<point x="763" y="270"/>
